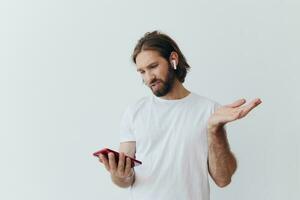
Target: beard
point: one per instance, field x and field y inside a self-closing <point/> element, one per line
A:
<point x="165" y="86"/>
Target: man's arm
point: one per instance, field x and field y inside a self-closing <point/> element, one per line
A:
<point x="121" y="173"/>
<point x="221" y="162"/>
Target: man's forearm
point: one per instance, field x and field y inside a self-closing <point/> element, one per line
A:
<point x="123" y="182"/>
<point x="221" y="161"/>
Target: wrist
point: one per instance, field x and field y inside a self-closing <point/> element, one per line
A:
<point x="215" y="129"/>
<point x="123" y="178"/>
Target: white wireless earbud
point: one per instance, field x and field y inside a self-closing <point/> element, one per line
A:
<point x="174" y="64"/>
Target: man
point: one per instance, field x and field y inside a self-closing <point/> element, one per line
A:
<point x="178" y="135"/>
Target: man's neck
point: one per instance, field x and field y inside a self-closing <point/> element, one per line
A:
<point x="178" y="92"/>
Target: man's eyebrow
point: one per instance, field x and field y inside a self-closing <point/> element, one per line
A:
<point x="148" y="66"/>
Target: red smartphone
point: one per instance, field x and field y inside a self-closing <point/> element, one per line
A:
<point x="105" y="152"/>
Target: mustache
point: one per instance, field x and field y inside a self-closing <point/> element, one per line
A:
<point x="151" y="82"/>
<point x="154" y="81"/>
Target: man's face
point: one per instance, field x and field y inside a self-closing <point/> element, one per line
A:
<point x="156" y="72"/>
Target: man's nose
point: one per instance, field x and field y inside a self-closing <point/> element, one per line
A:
<point x="149" y="78"/>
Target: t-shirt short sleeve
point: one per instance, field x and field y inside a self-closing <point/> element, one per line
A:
<point x="126" y="126"/>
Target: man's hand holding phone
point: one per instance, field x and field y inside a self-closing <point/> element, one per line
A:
<point x="119" y="165"/>
<point x="120" y="168"/>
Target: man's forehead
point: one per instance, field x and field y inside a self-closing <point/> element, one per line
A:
<point x="146" y="58"/>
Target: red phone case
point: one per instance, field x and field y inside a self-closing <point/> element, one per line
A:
<point x="105" y="152"/>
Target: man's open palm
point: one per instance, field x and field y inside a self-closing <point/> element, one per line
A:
<point x="232" y="112"/>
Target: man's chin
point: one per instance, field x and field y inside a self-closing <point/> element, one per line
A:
<point x="159" y="93"/>
<point x="161" y="90"/>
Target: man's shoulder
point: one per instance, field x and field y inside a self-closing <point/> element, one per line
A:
<point x="138" y="104"/>
<point x="141" y="101"/>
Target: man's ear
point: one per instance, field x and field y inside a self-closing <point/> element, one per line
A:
<point x="173" y="56"/>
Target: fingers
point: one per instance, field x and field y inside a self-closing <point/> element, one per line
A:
<point x="121" y="163"/>
<point x="122" y="168"/>
<point x="112" y="163"/>
<point x="128" y="166"/>
<point x="247" y="108"/>
<point x="237" y="103"/>
<point x="104" y="160"/>
<point x="257" y="101"/>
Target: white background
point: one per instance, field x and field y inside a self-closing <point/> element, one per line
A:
<point x="66" y="78"/>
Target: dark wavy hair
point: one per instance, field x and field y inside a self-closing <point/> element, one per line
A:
<point x="164" y="45"/>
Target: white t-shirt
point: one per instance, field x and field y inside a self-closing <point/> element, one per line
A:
<point x="171" y="142"/>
